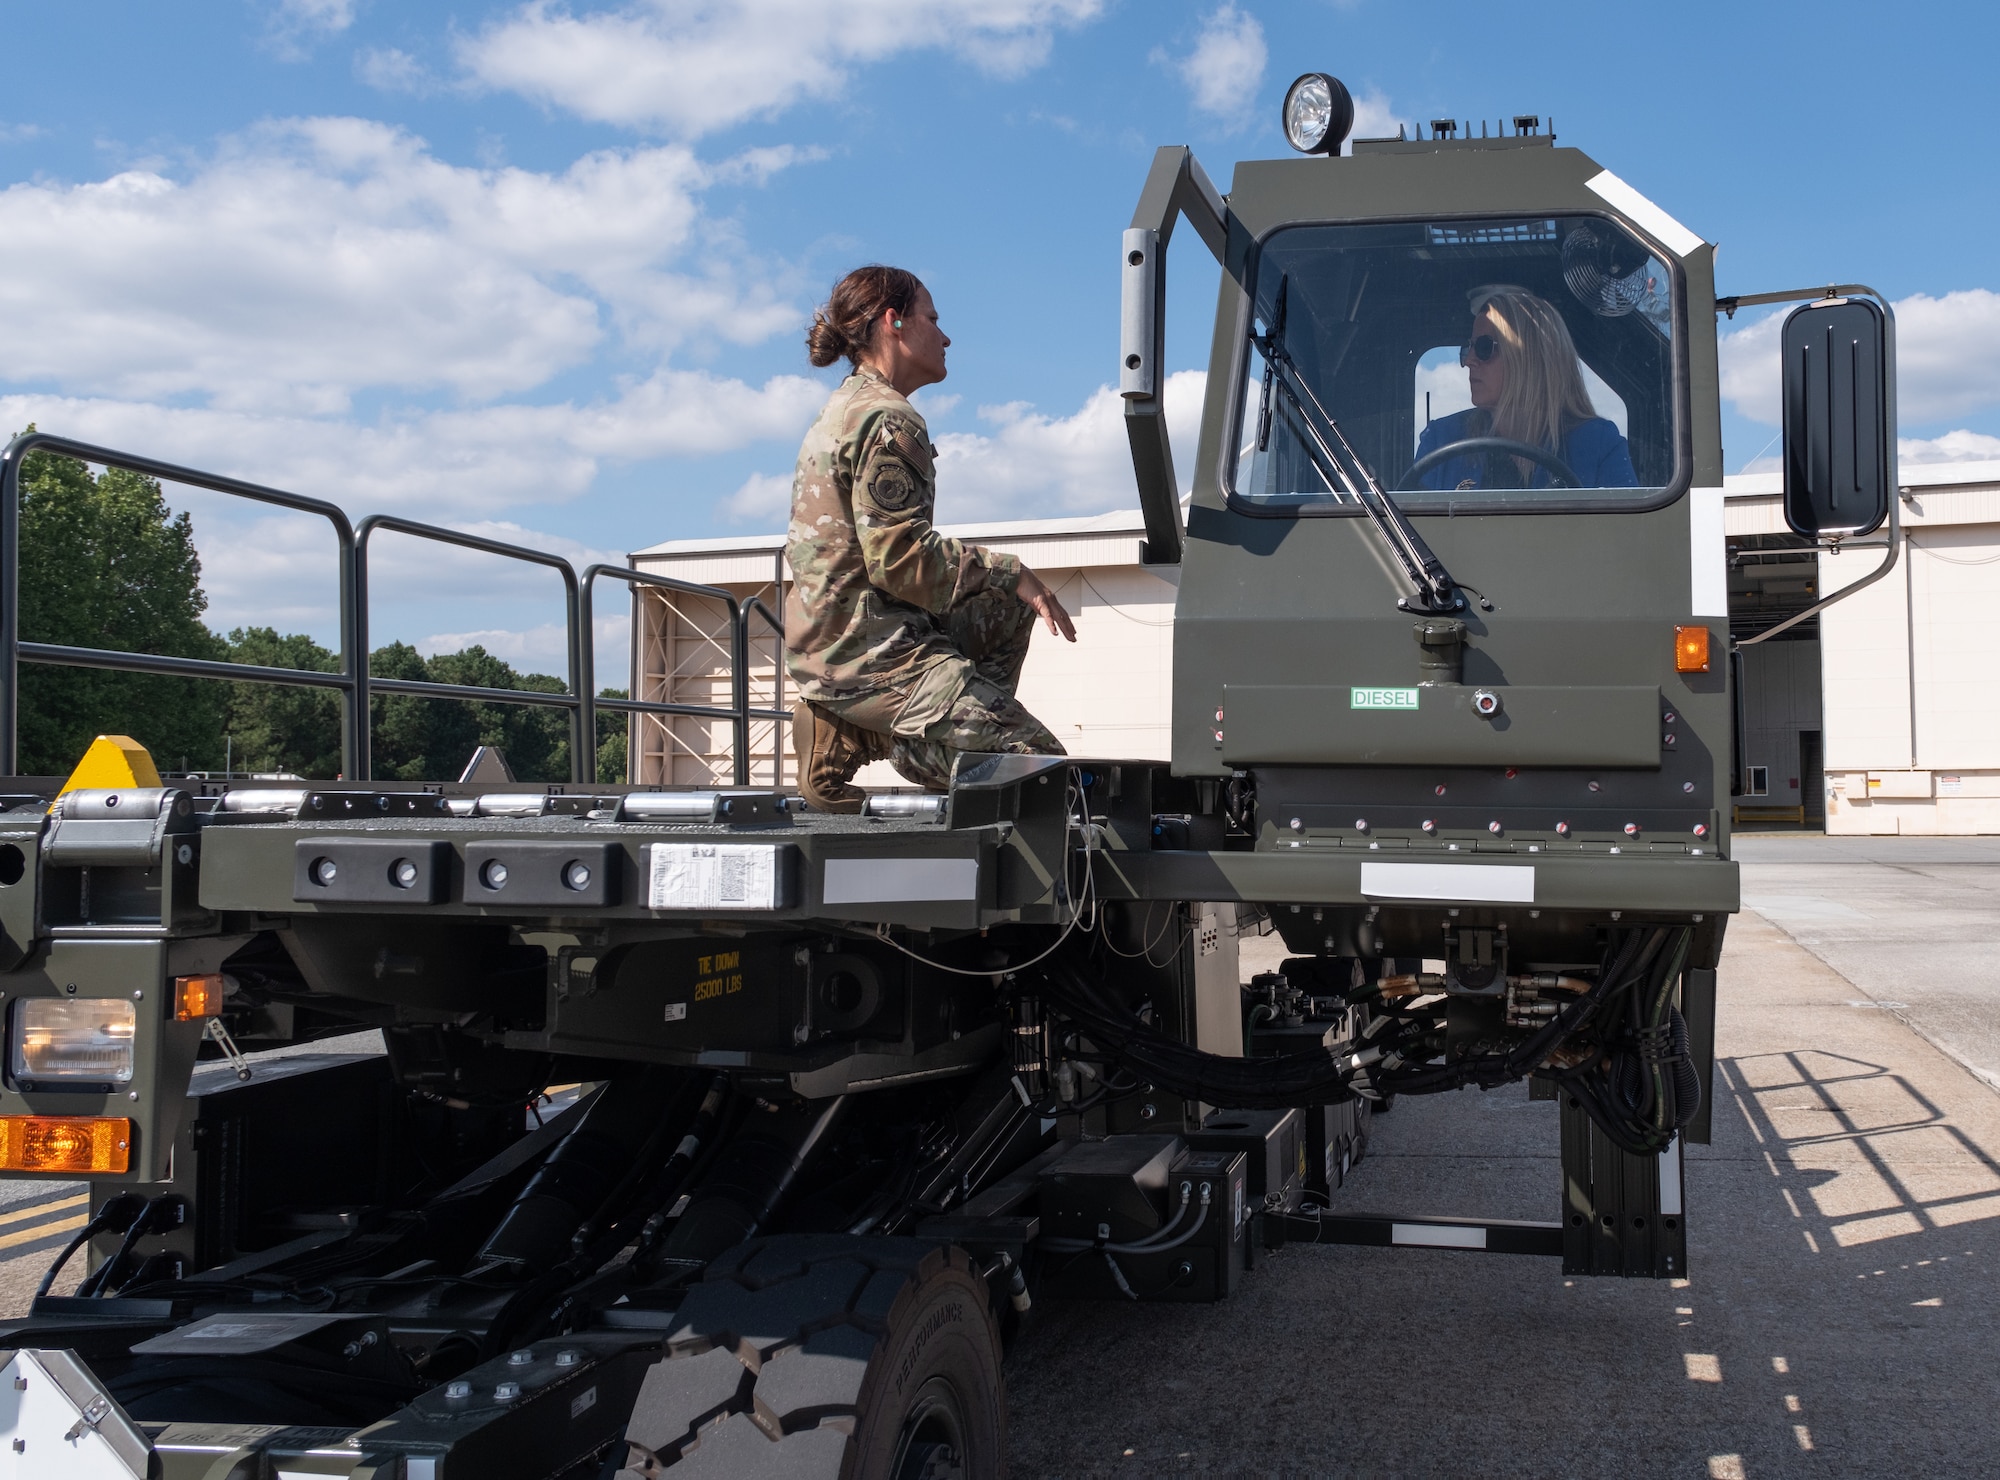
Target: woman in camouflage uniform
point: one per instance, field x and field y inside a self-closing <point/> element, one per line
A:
<point x="905" y="644"/>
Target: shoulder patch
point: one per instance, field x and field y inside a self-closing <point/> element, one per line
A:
<point x="892" y="486"/>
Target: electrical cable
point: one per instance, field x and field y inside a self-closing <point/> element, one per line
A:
<point x="1088" y="892"/>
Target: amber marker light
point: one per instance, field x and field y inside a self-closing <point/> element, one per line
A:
<point x="78" y="1145"/>
<point x="197" y="997"/>
<point x="1690" y="650"/>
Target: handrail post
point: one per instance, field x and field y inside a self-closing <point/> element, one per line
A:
<point x="739" y="691"/>
<point x="354" y="719"/>
<point x="755" y="605"/>
<point x="364" y="709"/>
<point x="582" y="738"/>
<point x="584" y="677"/>
<point x="10" y="610"/>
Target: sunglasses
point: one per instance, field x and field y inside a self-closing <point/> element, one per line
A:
<point x="1483" y="347"/>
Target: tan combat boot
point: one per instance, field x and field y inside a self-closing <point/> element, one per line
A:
<point x="830" y="751"/>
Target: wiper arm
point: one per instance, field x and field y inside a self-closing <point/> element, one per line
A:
<point x="1435" y="590"/>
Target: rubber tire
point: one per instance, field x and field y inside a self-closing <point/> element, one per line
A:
<point x="826" y="1358"/>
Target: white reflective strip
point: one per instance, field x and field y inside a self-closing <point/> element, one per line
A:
<point x="900" y="880"/>
<point x="1495" y="883"/>
<point x="1437" y="1236"/>
<point x="1670" y="1177"/>
<point x="1708" y="555"/>
<point x="1643" y="213"/>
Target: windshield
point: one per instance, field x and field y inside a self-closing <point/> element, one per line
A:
<point x="1473" y="366"/>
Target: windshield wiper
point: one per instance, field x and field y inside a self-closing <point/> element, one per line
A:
<point x="1343" y="469"/>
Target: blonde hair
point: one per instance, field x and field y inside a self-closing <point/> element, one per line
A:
<point x="1542" y="398"/>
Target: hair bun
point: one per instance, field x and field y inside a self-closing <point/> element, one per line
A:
<point x="824" y="343"/>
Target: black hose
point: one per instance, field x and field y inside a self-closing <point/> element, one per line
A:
<point x="116" y="1216"/>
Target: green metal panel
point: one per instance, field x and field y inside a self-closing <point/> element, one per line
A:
<point x="1538" y="725"/>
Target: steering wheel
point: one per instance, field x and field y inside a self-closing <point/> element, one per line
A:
<point x="1558" y="469"/>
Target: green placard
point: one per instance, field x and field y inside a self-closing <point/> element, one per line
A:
<point x="1383" y="699"/>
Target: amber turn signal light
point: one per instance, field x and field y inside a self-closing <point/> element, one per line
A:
<point x="197" y="997"/>
<point x="77" y="1144"/>
<point x="1690" y="650"/>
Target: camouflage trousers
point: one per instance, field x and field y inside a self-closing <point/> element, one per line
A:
<point x="965" y="703"/>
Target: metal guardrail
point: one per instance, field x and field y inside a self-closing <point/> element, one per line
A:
<point x="739" y="713"/>
<point x="352" y="680"/>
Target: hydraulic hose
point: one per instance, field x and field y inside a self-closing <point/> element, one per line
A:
<point x="1159" y="1243"/>
<point x="116" y="1216"/>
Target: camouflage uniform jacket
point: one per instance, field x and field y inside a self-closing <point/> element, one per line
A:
<point x="871" y="576"/>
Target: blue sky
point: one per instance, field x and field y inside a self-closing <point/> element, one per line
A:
<point x="544" y="270"/>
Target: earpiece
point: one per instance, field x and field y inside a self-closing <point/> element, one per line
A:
<point x="898" y="324"/>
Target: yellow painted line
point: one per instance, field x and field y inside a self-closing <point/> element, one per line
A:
<point x="39" y="1210"/>
<point x="46" y="1230"/>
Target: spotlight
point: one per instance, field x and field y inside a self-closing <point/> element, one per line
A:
<point x="1318" y="113"/>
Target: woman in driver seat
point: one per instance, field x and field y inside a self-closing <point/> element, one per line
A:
<point x="1526" y="387"/>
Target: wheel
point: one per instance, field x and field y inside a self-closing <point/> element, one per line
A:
<point x="827" y="1358"/>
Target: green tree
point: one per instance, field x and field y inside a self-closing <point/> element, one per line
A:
<point x="612" y="731"/>
<point x="276" y="727"/>
<point x="106" y="564"/>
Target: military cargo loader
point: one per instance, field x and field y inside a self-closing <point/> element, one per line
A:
<point x="720" y="1137"/>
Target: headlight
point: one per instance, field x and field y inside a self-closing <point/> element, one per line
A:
<point x="72" y="1040"/>
<point x="1318" y="113"/>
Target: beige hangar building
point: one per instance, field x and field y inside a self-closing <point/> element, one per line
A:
<point x="1879" y="715"/>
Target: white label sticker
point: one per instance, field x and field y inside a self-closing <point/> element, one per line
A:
<point x="224" y="1330"/>
<point x="677" y="1012"/>
<point x="1708" y="555"/>
<point x="583" y="1402"/>
<point x="1507" y="883"/>
<point x="1360" y="698"/>
<point x="714" y="876"/>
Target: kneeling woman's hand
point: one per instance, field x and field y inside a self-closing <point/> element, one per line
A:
<point x="1043" y="600"/>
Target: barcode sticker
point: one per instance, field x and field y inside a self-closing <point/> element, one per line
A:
<point x="714" y="876"/>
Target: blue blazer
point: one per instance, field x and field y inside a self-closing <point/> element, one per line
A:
<point x="1593" y="449"/>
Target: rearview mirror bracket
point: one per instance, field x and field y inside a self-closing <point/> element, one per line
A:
<point x="1839" y="424"/>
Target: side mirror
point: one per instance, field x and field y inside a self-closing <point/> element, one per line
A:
<point x="1840" y="449"/>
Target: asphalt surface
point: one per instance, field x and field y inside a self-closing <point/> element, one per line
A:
<point x="1844" y="1239"/>
<point x="1844" y="1234"/>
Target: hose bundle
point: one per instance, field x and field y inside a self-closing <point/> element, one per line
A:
<point x="1625" y="1047"/>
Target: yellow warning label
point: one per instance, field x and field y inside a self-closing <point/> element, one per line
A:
<point x="717" y="975"/>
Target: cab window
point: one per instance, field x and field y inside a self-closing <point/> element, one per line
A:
<point x="1468" y="365"/>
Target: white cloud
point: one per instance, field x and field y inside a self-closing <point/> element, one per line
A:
<point x="1947" y="359"/>
<point x="1226" y="67"/>
<point x="1374" y="118"/>
<point x="1029" y="465"/>
<point x="1033" y="464"/>
<point x="391" y="69"/>
<point x="430" y="465"/>
<point x="293" y="25"/>
<point x="312" y="258"/>
<point x="1952" y="447"/>
<point x="764" y="499"/>
<point x="1947" y="354"/>
<point x="687" y="69"/>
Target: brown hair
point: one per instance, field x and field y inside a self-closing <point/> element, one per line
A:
<point x="846" y="325"/>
